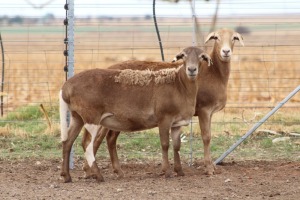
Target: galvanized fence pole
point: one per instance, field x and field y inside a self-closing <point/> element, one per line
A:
<point x="69" y="53"/>
<point x="258" y="124"/>
<point x="2" y="80"/>
<point x="194" y="42"/>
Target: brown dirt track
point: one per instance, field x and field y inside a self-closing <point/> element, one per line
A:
<point x="39" y="179"/>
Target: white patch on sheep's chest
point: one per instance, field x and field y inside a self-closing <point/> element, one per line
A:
<point x="144" y="77"/>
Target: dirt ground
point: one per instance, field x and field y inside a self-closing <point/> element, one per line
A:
<point x="40" y="179"/>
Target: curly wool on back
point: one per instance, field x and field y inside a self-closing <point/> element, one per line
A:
<point x="144" y="77"/>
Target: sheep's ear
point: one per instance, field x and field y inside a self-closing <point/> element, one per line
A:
<point x="179" y="56"/>
<point x="212" y="36"/>
<point x="237" y="36"/>
<point x="206" y="57"/>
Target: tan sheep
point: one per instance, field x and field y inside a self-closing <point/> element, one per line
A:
<point x="105" y="97"/>
<point x="211" y="95"/>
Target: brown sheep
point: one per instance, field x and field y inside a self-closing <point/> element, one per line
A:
<point x="211" y="96"/>
<point x="130" y="100"/>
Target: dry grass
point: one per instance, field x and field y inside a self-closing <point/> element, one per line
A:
<point x="263" y="72"/>
<point x="4" y="131"/>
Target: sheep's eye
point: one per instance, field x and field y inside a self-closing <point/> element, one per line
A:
<point x="180" y="56"/>
<point x="216" y="38"/>
<point x="235" y="38"/>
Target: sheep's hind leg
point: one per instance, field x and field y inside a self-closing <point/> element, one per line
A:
<point x="73" y="132"/>
<point x="89" y="153"/>
<point x="175" y="134"/>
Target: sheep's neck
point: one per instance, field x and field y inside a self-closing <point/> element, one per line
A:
<point x="190" y="87"/>
<point x="220" y="68"/>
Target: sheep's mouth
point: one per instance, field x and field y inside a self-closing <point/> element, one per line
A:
<point x="192" y="76"/>
<point x="226" y="57"/>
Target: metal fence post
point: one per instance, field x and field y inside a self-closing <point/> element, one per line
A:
<point x="2" y="80"/>
<point x="194" y="42"/>
<point x="258" y="124"/>
<point x="69" y="53"/>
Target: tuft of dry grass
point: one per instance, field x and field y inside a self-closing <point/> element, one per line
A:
<point x="4" y="131"/>
<point x="54" y="130"/>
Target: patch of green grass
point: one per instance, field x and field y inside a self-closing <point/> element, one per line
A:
<point x="29" y="119"/>
<point x="263" y="148"/>
<point x="266" y="143"/>
<point x="25" y="113"/>
<point x="29" y="136"/>
<point x="30" y="146"/>
<point x="146" y="145"/>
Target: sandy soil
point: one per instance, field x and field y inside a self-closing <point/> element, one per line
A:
<point x="40" y="179"/>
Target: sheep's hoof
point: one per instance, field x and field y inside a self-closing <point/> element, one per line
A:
<point x="88" y="173"/>
<point x="100" y="178"/>
<point x="120" y="174"/>
<point x="67" y="179"/>
<point x="210" y="170"/>
<point x="88" y="176"/>
<point x="180" y="173"/>
<point x="178" y="170"/>
<point x="66" y="176"/>
<point x="168" y="174"/>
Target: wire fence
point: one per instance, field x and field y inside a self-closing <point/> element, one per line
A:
<point x="262" y="73"/>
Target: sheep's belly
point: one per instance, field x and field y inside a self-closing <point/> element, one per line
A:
<point x="181" y="123"/>
<point x="129" y="124"/>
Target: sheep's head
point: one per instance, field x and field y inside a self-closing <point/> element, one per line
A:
<point x="192" y="58"/>
<point x="224" y="42"/>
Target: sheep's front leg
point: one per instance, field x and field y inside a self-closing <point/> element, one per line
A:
<point x="111" y="139"/>
<point x="204" y="118"/>
<point x="86" y="139"/>
<point x="164" y="128"/>
<point x="89" y="153"/>
<point x="175" y="134"/>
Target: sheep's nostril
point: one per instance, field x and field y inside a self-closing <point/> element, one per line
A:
<point x="192" y="69"/>
<point x="226" y="52"/>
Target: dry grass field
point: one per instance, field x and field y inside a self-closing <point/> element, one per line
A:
<point x="262" y="74"/>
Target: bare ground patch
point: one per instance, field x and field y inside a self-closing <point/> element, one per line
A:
<point x="40" y="179"/>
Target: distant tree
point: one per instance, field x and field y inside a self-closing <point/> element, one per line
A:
<point x="3" y="18"/>
<point x="48" y="18"/>
<point x="243" y="30"/>
<point x="15" y="20"/>
<point x="148" y="17"/>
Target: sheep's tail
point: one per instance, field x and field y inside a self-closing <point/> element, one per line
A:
<point x="63" y="110"/>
